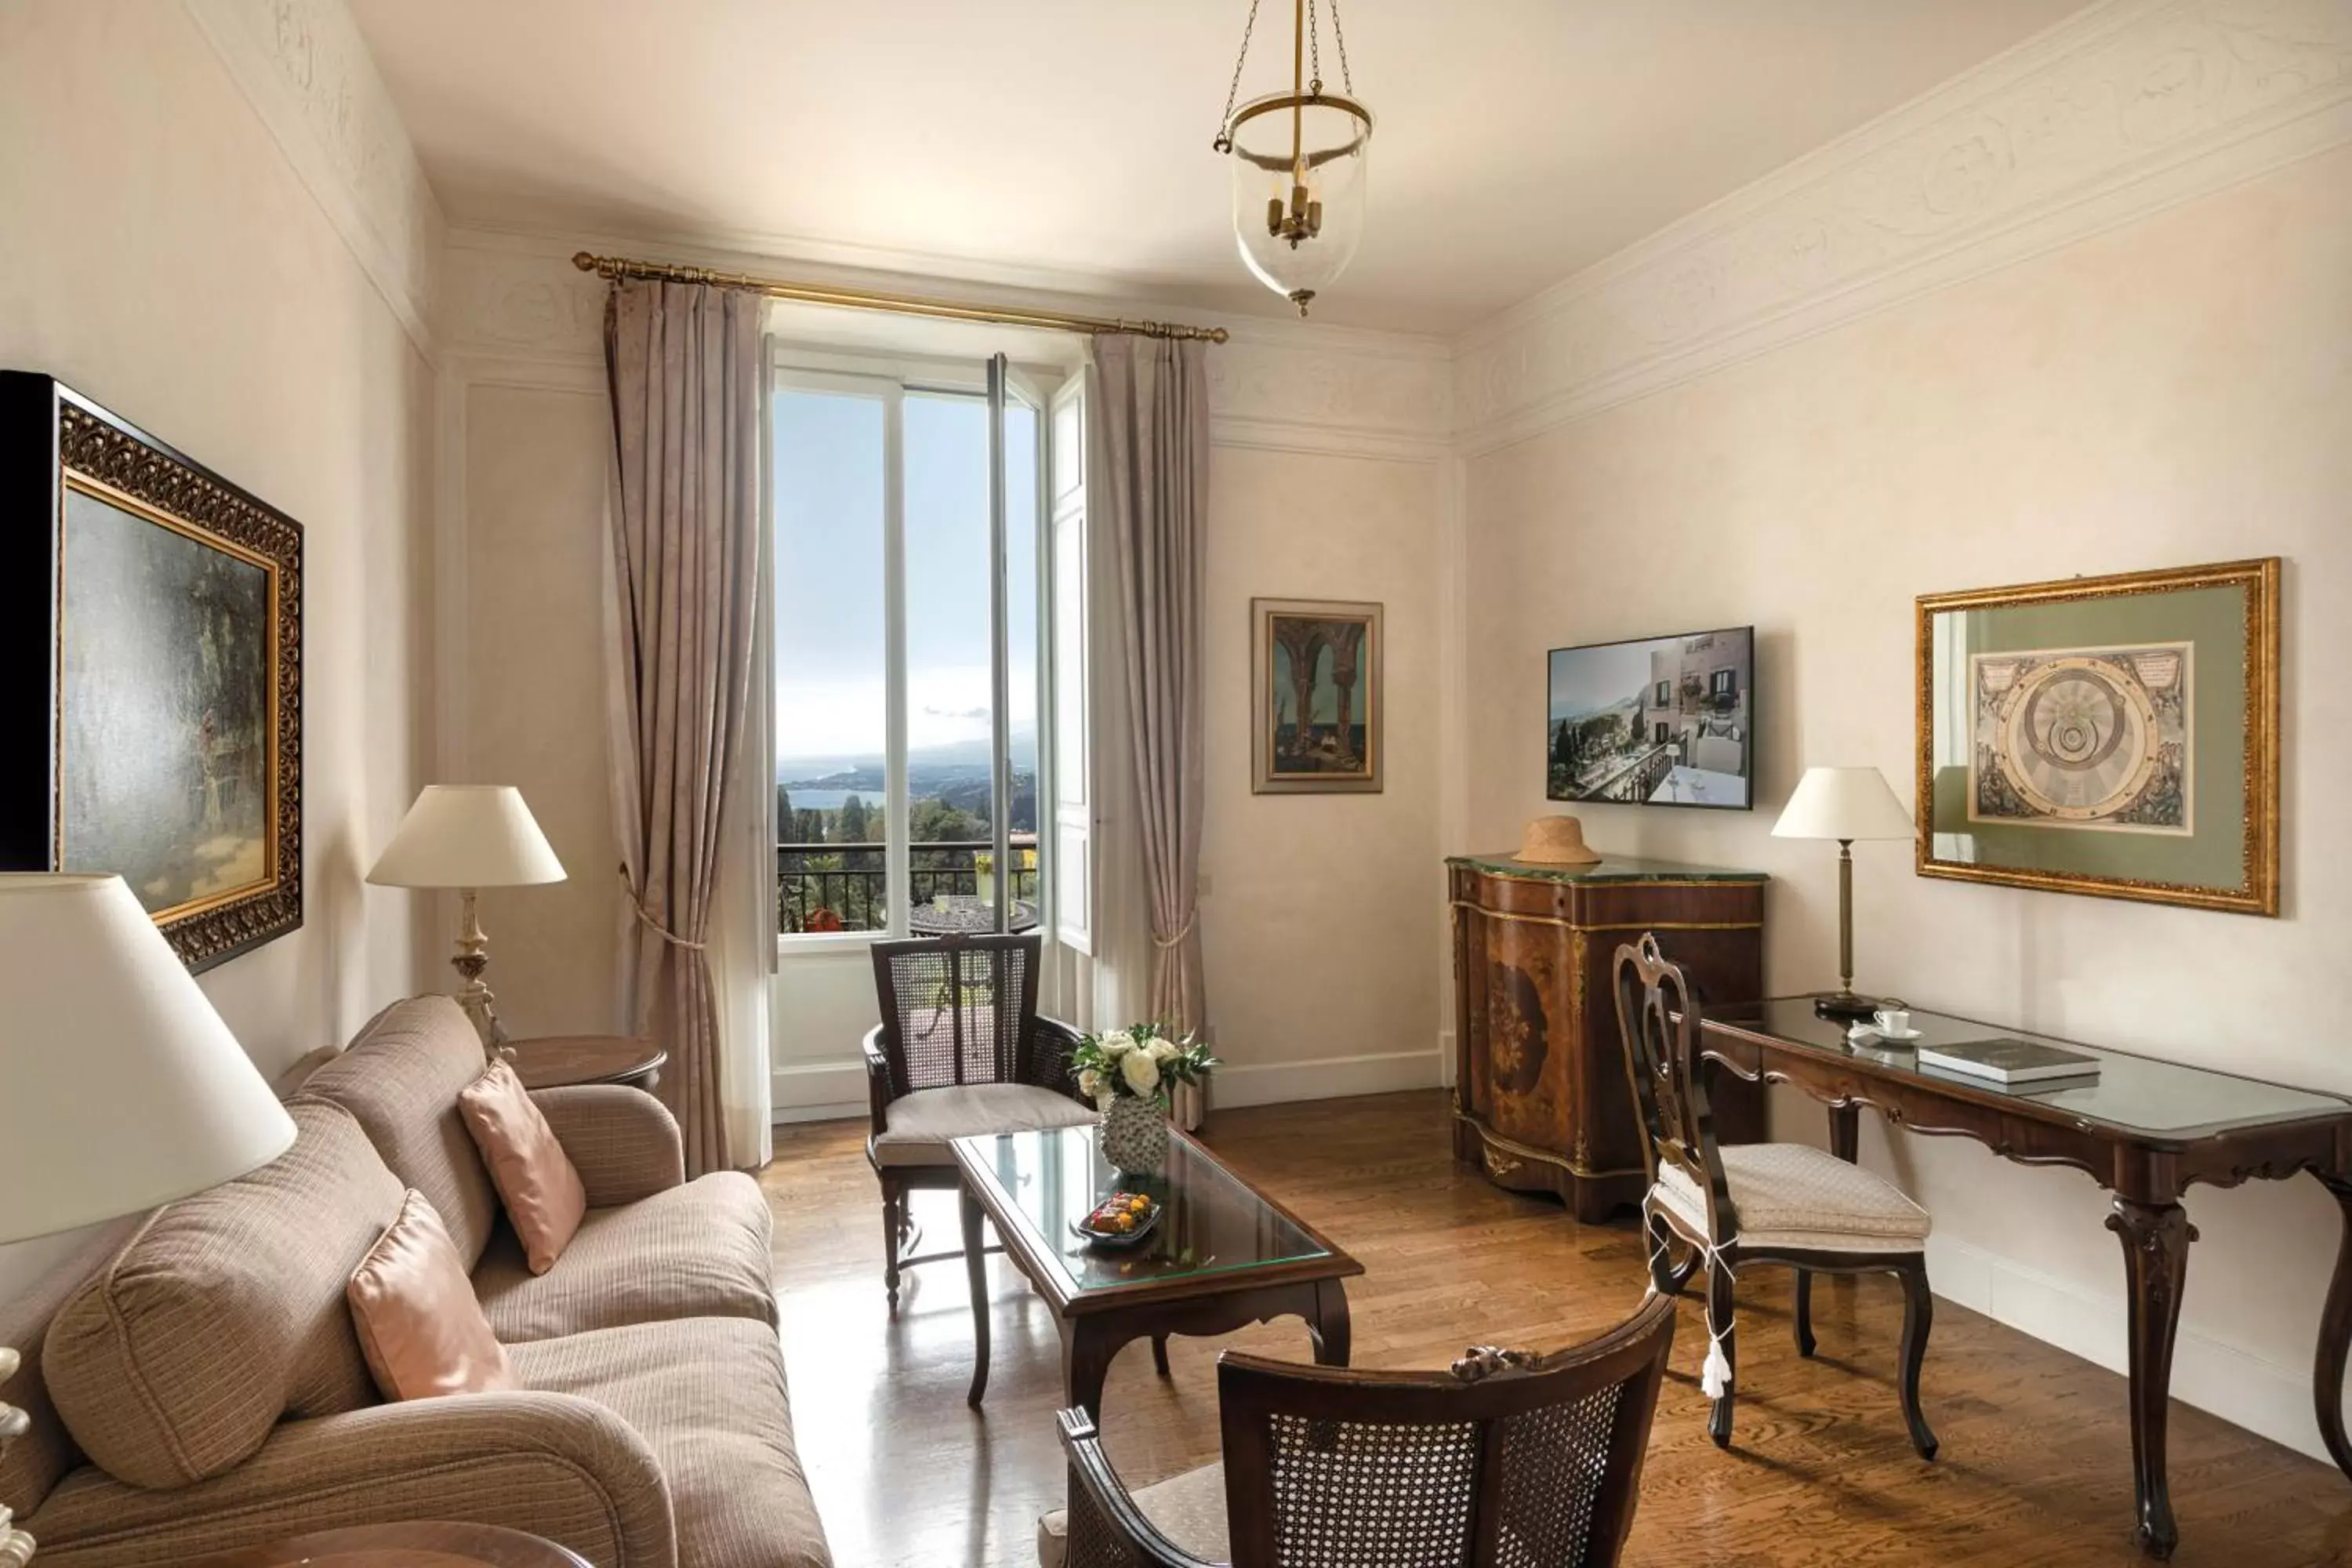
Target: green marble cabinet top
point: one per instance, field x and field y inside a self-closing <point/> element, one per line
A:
<point x="1610" y="869"/>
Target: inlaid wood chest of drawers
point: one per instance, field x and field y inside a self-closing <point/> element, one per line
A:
<point x="1541" y="1102"/>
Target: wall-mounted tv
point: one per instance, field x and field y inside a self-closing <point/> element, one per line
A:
<point x="1655" y="721"/>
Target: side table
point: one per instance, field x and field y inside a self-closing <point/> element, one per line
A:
<point x="420" y="1545"/>
<point x="558" y="1061"/>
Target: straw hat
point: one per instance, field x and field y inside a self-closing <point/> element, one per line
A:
<point x="1555" y="841"/>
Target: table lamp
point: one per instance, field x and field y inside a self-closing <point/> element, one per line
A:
<point x="124" y="1089"/>
<point x="470" y="836"/>
<point x="1844" y="804"/>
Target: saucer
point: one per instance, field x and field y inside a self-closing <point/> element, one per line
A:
<point x="1892" y="1035"/>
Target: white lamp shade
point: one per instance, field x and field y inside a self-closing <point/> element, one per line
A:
<point x="1842" y="803"/>
<point x="467" y="835"/>
<point x="123" y="1089"/>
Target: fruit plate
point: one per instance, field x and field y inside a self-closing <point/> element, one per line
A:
<point x="1117" y="1239"/>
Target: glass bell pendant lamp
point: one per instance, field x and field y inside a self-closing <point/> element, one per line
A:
<point x="1298" y="166"/>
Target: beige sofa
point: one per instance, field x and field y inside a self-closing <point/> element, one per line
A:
<point x="203" y="1389"/>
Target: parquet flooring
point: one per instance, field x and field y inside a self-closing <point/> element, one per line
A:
<point x="2035" y="1468"/>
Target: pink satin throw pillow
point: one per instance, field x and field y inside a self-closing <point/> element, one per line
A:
<point x="419" y="1326"/>
<point x="536" y="1180"/>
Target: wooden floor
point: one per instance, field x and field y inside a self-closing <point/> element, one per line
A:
<point x="2035" y="1466"/>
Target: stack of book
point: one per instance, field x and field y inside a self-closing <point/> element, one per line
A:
<point x="2009" y="1062"/>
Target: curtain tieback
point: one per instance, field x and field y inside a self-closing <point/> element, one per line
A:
<point x="629" y="888"/>
<point x="1191" y="920"/>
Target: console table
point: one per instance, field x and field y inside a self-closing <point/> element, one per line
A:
<point x="1541" y="1103"/>
<point x="2143" y="1129"/>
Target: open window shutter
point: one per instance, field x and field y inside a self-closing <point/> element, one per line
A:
<point x="1073" y="869"/>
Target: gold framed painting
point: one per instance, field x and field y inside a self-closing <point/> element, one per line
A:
<point x="2116" y="736"/>
<point x="1316" y="697"/>
<point x="155" y="616"/>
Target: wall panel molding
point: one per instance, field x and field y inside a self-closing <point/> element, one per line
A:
<point x="306" y="70"/>
<point x="2131" y="107"/>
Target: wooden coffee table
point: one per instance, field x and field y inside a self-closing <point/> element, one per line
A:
<point x="422" y="1545"/>
<point x="1223" y="1255"/>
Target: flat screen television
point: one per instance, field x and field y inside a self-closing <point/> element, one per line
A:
<point x="1655" y="721"/>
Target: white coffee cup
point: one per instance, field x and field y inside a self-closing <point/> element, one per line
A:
<point x="1891" y="1021"/>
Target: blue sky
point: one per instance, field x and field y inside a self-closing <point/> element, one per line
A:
<point x="829" y="631"/>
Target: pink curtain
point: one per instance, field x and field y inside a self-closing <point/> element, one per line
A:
<point x="684" y="362"/>
<point x="1151" y="410"/>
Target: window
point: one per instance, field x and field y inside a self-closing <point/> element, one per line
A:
<point x="1723" y="682"/>
<point x="907" y="653"/>
<point x="1663" y="695"/>
<point x="1658" y="738"/>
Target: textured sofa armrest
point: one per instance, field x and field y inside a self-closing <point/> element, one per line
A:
<point x="623" y="1142"/>
<point x="552" y="1465"/>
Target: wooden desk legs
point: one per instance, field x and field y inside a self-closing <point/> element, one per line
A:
<point x="2156" y="1238"/>
<point x="1089" y="1343"/>
<point x="1845" y="1132"/>
<point x="2335" y="1335"/>
<point x="975" y="1267"/>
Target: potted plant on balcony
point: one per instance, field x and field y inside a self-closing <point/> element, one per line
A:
<point x="1130" y="1074"/>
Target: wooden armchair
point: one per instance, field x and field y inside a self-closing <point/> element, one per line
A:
<point x="959" y="1051"/>
<point x="1531" y="1461"/>
<point x="1785" y="1204"/>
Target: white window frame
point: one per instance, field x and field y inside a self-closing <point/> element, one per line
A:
<point x="890" y="379"/>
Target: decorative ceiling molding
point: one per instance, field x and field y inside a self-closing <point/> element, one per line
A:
<point x="515" y="298"/>
<point x="306" y="70"/>
<point x="2131" y="107"/>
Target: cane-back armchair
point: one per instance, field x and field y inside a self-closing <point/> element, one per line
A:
<point x="1509" y="1460"/>
<point x="1789" y="1205"/>
<point x="959" y="1051"/>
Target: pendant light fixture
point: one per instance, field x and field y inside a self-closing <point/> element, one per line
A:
<point x="1298" y="161"/>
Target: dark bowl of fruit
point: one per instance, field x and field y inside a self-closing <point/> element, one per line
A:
<point x="1120" y="1220"/>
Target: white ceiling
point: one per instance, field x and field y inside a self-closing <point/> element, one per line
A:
<point x="1065" y="144"/>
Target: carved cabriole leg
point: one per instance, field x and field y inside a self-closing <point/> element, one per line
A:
<point x="1845" y="1132"/>
<point x="1086" y="1353"/>
<point x="1332" y="1331"/>
<point x="2335" y="1335"/>
<point x="1919" y="1319"/>
<point x="975" y="1268"/>
<point x="1805" y="1312"/>
<point x="2156" y="1238"/>
<point x="1719" y="1327"/>
<point x="1160" y="1354"/>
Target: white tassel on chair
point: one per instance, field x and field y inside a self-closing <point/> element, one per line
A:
<point x="1715" y="1376"/>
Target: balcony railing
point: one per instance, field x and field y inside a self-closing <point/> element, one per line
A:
<point x="846" y="887"/>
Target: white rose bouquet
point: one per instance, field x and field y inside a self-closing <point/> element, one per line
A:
<point x="1140" y="1062"/>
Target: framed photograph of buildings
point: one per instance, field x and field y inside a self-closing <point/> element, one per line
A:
<point x="153" y="616"/>
<point x="2109" y="735"/>
<point x="1316" y="697"/>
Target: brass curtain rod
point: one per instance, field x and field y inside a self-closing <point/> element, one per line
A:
<point x="619" y="266"/>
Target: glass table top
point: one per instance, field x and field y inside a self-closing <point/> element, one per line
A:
<point x="1211" y="1221"/>
<point x="2131" y="1093"/>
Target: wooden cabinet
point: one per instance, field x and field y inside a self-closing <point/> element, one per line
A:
<point x="1541" y="1102"/>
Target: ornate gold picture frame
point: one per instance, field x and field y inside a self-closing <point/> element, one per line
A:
<point x="155" y="611"/>
<point x="2116" y="736"/>
<point x="1318" y="697"/>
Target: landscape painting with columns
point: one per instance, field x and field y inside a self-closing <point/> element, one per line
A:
<point x="1319" y="698"/>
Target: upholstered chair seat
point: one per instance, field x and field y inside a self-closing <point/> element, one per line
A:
<point x="920" y="1125"/>
<point x="1189" y="1509"/>
<point x="1795" y="1197"/>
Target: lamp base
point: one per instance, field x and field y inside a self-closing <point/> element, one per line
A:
<point x="1845" y="1006"/>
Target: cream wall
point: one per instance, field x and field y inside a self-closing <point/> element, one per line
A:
<point x="162" y="257"/>
<point x="2176" y="391"/>
<point x="1316" y="922"/>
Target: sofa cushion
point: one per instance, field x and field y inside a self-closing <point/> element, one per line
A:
<point x="400" y="1078"/>
<point x="1189" y="1509"/>
<point x="420" y="1328"/>
<point x="225" y="1313"/>
<point x="536" y="1186"/>
<point x="921" y="1123"/>
<point x="707" y="1395"/>
<point x="696" y="1251"/>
